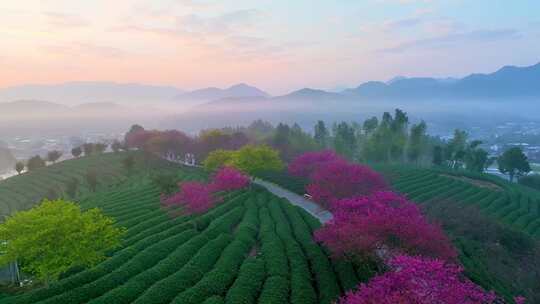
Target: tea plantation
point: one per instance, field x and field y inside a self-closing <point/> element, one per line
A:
<point x="495" y="225"/>
<point x="23" y="191"/>
<point x="252" y="248"/>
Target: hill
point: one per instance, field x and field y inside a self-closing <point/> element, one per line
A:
<point x="23" y="191"/>
<point x="252" y="248"/>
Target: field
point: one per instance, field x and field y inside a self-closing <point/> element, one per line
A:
<point x="23" y="191"/>
<point x="252" y="248"/>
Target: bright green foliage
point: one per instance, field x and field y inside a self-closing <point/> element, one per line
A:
<point x="251" y="159"/>
<point x="55" y="236"/>
<point x="217" y="159"/>
<point x="248" y="159"/>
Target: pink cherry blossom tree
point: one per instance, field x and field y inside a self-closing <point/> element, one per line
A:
<point x="305" y="164"/>
<point x="194" y="197"/>
<point x="420" y="281"/>
<point x="382" y="224"/>
<point x="229" y="179"/>
<point x="339" y="179"/>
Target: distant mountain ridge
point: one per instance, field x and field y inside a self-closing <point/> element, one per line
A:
<point x="507" y="82"/>
<point x="241" y="90"/>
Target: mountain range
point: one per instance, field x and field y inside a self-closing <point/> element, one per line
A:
<point x="507" y="82"/>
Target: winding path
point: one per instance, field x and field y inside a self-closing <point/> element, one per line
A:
<point x="295" y="199"/>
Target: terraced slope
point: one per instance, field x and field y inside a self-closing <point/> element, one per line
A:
<point x="506" y="202"/>
<point x="252" y="248"/>
<point x="23" y="191"/>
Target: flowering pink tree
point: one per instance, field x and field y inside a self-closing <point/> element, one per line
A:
<point x="382" y="224"/>
<point x="339" y="179"/>
<point x="307" y="163"/>
<point x="421" y="281"/>
<point x="194" y="197"/>
<point x="228" y="179"/>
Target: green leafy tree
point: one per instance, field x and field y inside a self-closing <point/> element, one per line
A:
<point x="476" y="158"/>
<point x="100" y="147"/>
<point x="370" y="125"/>
<point x="35" y="162"/>
<point x="76" y="152"/>
<point x="116" y="146"/>
<point x="251" y="159"/>
<point x="19" y="167"/>
<point x="514" y="162"/>
<point x="456" y="149"/>
<point x="321" y="134"/>
<point x="217" y="159"/>
<point x="54" y="155"/>
<point x="91" y="179"/>
<point x="55" y="236"/>
<point x="438" y="156"/>
<point x="345" y="140"/>
<point x="88" y="149"/>
<point x="166" y="182"/>
<point x="417" y="141"/>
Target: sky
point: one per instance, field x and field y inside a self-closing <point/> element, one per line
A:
<point x="276" y="45"/>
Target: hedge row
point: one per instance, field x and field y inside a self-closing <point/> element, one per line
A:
<point x="140" y="262"/>
<point x="245" y="289"/>
<point x="321" y="267"/>
<point x="129" y="291"/>
<point x="275" y="291"/>
<point x="221" y="277"/>
<point x="165" y="290"/>
<point x="272" y="248"/>
<point x="302" y="290"/>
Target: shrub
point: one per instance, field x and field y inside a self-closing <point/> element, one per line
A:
<point x="419" y="280"/>
<point x="338" y="179"/>
<point x="380" y="224"/>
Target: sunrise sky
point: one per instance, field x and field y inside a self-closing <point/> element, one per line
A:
<point x="277" y="45"/>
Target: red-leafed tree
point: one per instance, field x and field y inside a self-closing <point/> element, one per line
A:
<point x="420" y="281"/>
<point x="307" y="163"/>
<point x="229" y="179"/>
<point x="194" y="197"/>
<point x="339" y="179"/>
<point x="382" y="224"/>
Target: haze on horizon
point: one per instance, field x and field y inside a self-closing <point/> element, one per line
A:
<point x="277" y="46"/>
